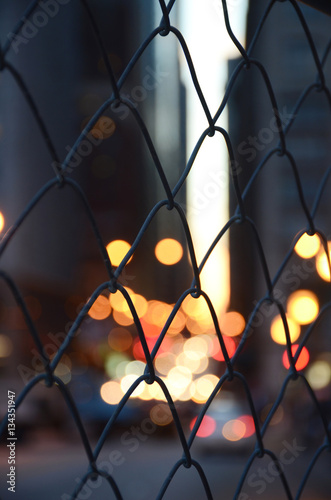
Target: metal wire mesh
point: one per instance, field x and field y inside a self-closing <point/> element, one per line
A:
<point x="60" y="178"/>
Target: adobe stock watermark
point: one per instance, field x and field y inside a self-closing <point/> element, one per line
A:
<point x="264" y="476"/>
<point x="130" y="441"/>
<point x="37" y="21"/>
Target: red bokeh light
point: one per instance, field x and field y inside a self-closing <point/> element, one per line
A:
<point x="302" y="360"/>
<point x="230" y="345"/>
<point x="207" y="426"/>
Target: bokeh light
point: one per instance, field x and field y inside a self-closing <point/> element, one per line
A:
<point x="2" y="222"/>
<point x="249" y="425"/>
<point x="206" y="428"/>
<point x="234" y="430"/>
<point x="303" y="306"/>
<point x="307" y="246"/>
<point x="302" y="360"/>
<point x="319" y="374"/>
<point x="6" y="346"/>
<point x="217" y="352"/>
<point x="100" y="309"/>
<point x="322" y="264"/>
<point x="277" y="330"/>
<point x="277" y="416"/>
<point x="232" y="323"/>
<point x="168" y="251"/>
<point x="202" y="387"/>
<point x="161" y="414"/>
<point x="103" y="128"/>
<point x="111" y="392"/>
<point x="117" y="250"/>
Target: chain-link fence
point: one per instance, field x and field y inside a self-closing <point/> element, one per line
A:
<point x="194" y="416"/>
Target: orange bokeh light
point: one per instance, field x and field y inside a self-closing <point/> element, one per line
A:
<point x="100" y="309"/>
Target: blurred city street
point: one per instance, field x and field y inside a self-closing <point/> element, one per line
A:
<point x="50" y="470"/>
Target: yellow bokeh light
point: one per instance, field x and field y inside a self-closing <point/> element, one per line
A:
<point x="63" y="372"/>
<point x="126" y="383"/>
<point x="2" y="222"/>
<point x="277" y="330"/>
<point x="202" y="388"/>
<point x="196" y="308"/>
<point x="178" y="323"/>
<point x="168" y="251"/>
<point x="122" y="318"/>
<point x="156" y="392"/>
<point x="319" y="374"/>
<point x="111" y="392"/>
<point x="302" y="306"/>
<point x="157" y="312"/>
<point x="100" y="309"/>
<point x="118" y="301"/>
<point x="322" y="264"/>
<point x="191" y="360"/>
<point x="117" y="250"/>
<point x="234" y="430"/>
<point x="232" y="323"/>
<point x="178" y="380"/>
<point x="307" y="246"/>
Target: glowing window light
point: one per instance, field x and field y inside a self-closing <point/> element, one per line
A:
<point x="111" y="392"/>
<point x="2" y="222"/>
<point x="322" y="264"/>
<point x="302" y="360"/>
<point x="232" y="323"/>
<point x="100" y="309"/>
<point x="168" y="251"/>
<point x="161" y="414"/>
<point x="307" y="246"/>
<point x="234" y="430"/>
<point x="303" y="306"/>
<point x="277" y="330"/>
<point x="117" y="250"/>
<point x="122" y="319"/>
<point x="206" y="428"/>
<point x="6" y="346"/>
<point x="319" y="374"/>
<point x="217" y="352"/>
<point x="119" y="339"/>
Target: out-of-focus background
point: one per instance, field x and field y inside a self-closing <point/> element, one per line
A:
<point x="56" y="264"/>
